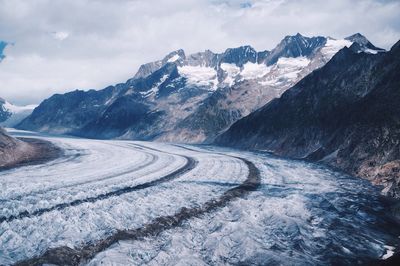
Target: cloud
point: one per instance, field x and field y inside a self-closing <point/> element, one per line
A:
<point x="60" y="35"/>
<point x="68" y="44"/>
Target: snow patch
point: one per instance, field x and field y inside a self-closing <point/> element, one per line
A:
<point x="254" y="71"/>
<point x="370" y="51"/>
<point x="173" y="58"/>
<point x="199" y="76"/>
<point x="232" y="71"/>
<point x="332" y="46"/>
<point x="293" y="62"/>
<point x="286" y="70"/>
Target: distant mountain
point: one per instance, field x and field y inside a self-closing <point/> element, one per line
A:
<point x="4" y="113"/>
<point x="346" y="114"/>
<point x="11" y="115"/>
<point x="364" y="44"/>
<point x="188" y="98"/>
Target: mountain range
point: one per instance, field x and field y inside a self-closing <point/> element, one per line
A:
<point x="315" y="98"/>
<point x="346" y="114"/>
<point x="189" y="98"/>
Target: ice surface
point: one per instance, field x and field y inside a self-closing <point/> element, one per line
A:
<point x="92" y="168"/>
<point x="301" y="214"/>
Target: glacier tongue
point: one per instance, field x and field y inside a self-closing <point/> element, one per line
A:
<point x="300" y="214"/>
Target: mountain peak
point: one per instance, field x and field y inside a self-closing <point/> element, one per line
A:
<point x="358" y="38"/>
<point x="295" y="46"/>
<point x="240" y="48"/>
<point x="298" y="36"/>
<point x="363" y="43"/>
<point x="396" y="46"/>
<point x="174" y="56"/>
<point x="239" y="55"/>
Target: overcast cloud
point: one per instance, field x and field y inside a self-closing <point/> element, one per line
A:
<point x="59" y="46"/>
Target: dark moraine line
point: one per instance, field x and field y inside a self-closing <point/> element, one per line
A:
<point x="40" y="192"/>
<point x="190" y="164"/>
<point x="68" y="256"/>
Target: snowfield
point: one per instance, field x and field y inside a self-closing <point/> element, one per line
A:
<point x="198" y="199"/>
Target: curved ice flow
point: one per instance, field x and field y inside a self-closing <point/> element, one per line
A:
<point x="93" y="168"/>
<point x="304" y="214"/>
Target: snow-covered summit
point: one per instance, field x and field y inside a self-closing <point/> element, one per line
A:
<point x="11" y="115"/>
<point x="234" y="65"/>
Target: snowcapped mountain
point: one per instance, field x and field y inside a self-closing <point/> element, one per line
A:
<point x="346" y="114"/>
<point x="189" y="98"/>
<point x="11" y="115"/>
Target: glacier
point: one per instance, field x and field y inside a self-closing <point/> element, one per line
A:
<point x="300" y="213"/>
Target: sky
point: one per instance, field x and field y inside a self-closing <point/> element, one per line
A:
<point x="55" y="46"/>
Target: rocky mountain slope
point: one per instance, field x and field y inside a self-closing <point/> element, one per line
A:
<point x="346" y="114"/>
<point x="188" y="98"/>
<point x="12" y="150"/>
<point x="25" y="151"/>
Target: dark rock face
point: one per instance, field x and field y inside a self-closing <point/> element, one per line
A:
<point x="68" y="112"/>
<point x="120" y="115"/>
<point x="239" y="56"/>
<point x="346" y="114"/>
<point x="294" y="46"/>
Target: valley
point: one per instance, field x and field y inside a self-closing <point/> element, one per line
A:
<point x="168" y="203"/>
